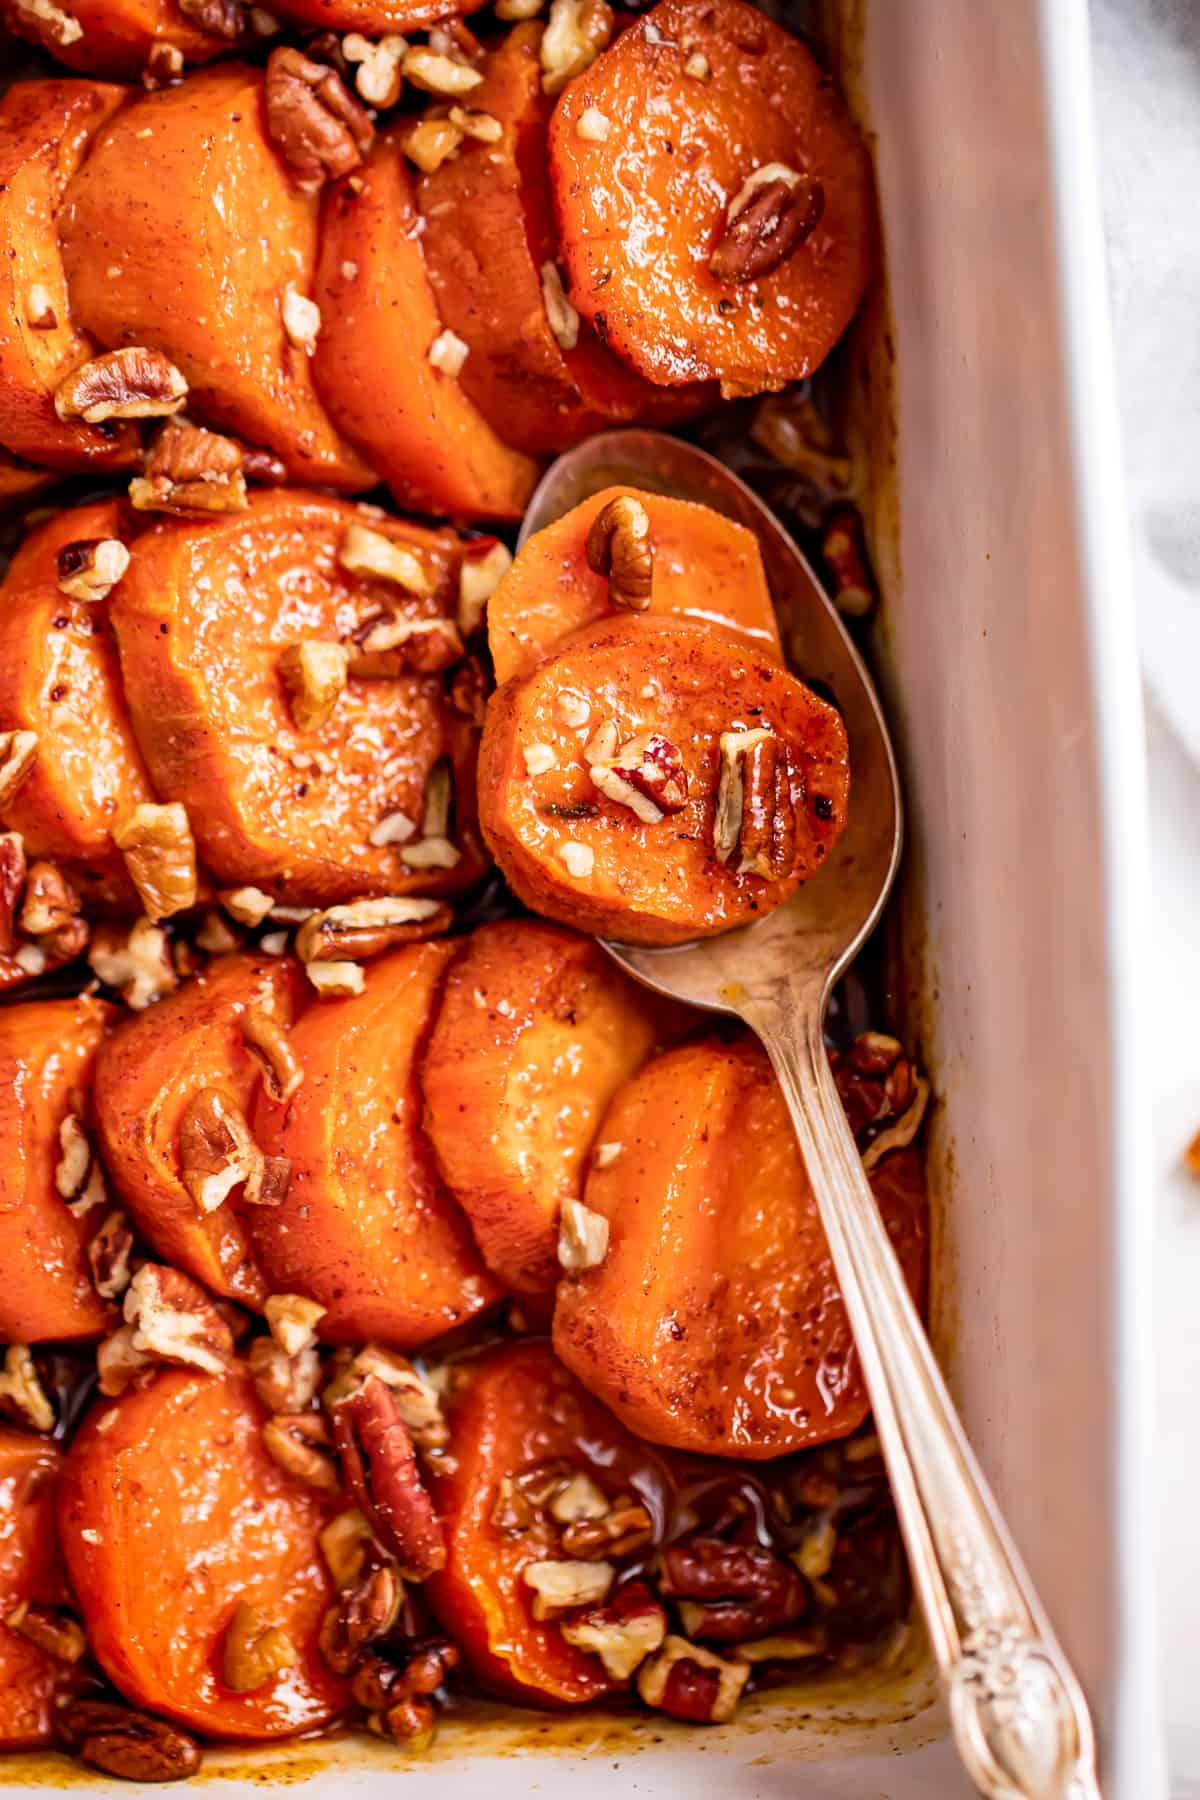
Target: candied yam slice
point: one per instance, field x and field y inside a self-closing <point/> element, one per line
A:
<point x="202" y="620"/>
<point x="374" y="18"/>
<point x="149" y="1072"/>
<point x="643" y="210"/>
<point x="46" y="128"/>
<point x="171" y="1513"/>
<point x="535" y="1032"/>
<point x="60" y="678"/>
<point x="30" y="1570"/>
<point x="489" y="234"/>
<point x="146" y="200"/>
<point x="517" y="1409"/>
<point x="366" y="1227"/>
<point x="115" y="38"/>
<point x="705" y="567"/>
<point x="415" y="422"/>
<point x="47" y="1054"/>
<point x="20" y="481"/>
<point x="714" y="1323"/>
<point x="610" y="861"/>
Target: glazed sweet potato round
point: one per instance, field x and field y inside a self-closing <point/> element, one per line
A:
<point x="705" y="567"/>
<point x="714" y="1322"/>
<point x="225" y="276"/>
<point x="682" y="269"/>
<point x="490" y="237"/>
<point x="418" y="424"/>
<point x="20" y="481"/>
<point x="116" y="38"/>
<point x="690" y="717"/>
<point x="171" y="1513"/>
<point x="203" y="619"/>
<point x="366" y="1227"/>
<point x="59" y="678"/>
<point x="150" y="1071"/>
<point x="375" y="18"/>
<point x="47" y="1053"/>
<point x="30" y="1570"/>
<point x="535" y="1032"/>
<point x="46" y="128"/>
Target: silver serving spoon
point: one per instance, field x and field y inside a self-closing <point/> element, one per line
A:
<point x="1018" y="1715"/>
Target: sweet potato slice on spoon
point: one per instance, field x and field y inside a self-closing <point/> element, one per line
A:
<point x="714" y="1323"/>
<point x="31" y="1572"/>
<point x="172" y="1515"/>
<point x="656" y="781"/>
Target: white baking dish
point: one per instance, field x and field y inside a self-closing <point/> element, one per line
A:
<point x="1011" y="674"/>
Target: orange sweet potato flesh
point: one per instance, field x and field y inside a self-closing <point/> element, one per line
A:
<point x="705" y="567"/>
<point x="367" y="1228"/>
<point x="535" y="1032"/>
<point x="714" y="1323"/>
<point x="20" y="481"/>
<point x="659" y="883"/>
<point x="516" y="1408"/>
<point x="418" y="425"/>
<point x="489" y="232"/>
<point x="170" y="1513"/>
<point x="202" y="682"/>
<point x="59" y="677"/>
<point x="47" y="1053"/>
<point x="144" y="201"/>
<point x="642" y="212"/>
<point x="117" y="37"/>
<point x="148" y="1071"/>
<point x="45" y="130"/>
<point x="374" y="17"/>
<point x="30" y="1569"/>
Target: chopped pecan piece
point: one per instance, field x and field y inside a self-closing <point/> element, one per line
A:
<point x="90" y="568"/>
<point x="293" y="1320"/>
<point x="301" y="1444"/>
<point x="774" y="212"/>
<point x="12" y="880"/>
<point x="137" y="962"/>
<point x="284" y="1384"/>
<point x="131" y="1745"/>
<point x="428" y="1661"/>
<point x="437" y="74"/>
<point x="334" y="980"/>
<point x="18" y="753"/>
<point x="560" y="1586"/>
<point x="843" y="555"/>
<point x="109" y="1254"/>
<point x="619" y="545"/>
<point x="755" y="817"/>
<point x="374" y="555"/>
<point x="346" y="1544"/>
<point x="51" y="1629"/>
<point x="314" y="676"/>
<point x="159" y="852"/>
<point x="582" y="1237"/>
<point x="224" y="19"/>
<point x="381" y="1473"/>
<point x="377" y="67"/>
<point x="884" y="1097"/>
<point x="270" y="1046"/>
<point x="218" y="1154"/>
<point x="52" y="912"/>
<point x="467" y="691"/>
<point x="431" y="142"/>
<point x="389" y="645"/>
<point x="78" y="1176"/>
<point x="486" y="561"/>
<point x="22" y="1396"/>
<point x="361" y="929"/>
<point x="174" y="1321"/>
<point x="255" y="1650"/>
<point x="691" y="1683"/>
<point x="624" y="1527"/>
<point x="561" y="316"/>
<point x="134" y="383"/>
<point x="576" y="32"/>
<point x="646" y="774"/>
<point x="190" y="470"/>
<point x="622" y="1633"/>
<point x="731" y="1591"/>
<point x="118" y="1363"/>
<point x="314" y="119"/>
<point x="365" y="1613"/>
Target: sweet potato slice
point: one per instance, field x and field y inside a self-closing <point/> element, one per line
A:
<point x="47" y="1053"/>
<point x="202" y="619"/>
<point x="45" y="130"/>
<point x="714" y="1322"/>
<point x="516" y="1412"/>
<point x="30" y="1570"/>
<point x="705" y="567"/>
<point x="415" y="422"/>
<point x="59" y="677"/>
<point x="148" y="1073"/>
<point x="20" y="481"/>
<point x="114" y="38"/>
<point x="489" y="234"/>
<point x="171" y="1513"/>
<point x="375" y="18"/>
<point x="366" y="1227"/>
<point x="579" y="848"/>
<point x="645" y="210"/>
<point x="535" y="1032"/>
<point x="144" y="201"/>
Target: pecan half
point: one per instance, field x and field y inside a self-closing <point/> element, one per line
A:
<point x="300" y="1443"/>
<point x="417" y="1399"/>
<point x="284" y="1384"/>
<point x="225" y="19"/>
<point x="388" y="645"/>
<point x="646" y="774"/>
<point x="218" y="1154"/>
<point x="619" y="545"/>
<point x="255" y="1650"/>
<point x="22" y="1396"/>
<point x="772" y="215"/>
<point x="174" y="1321"/>
<point x="52" y="912"/>
<point x="188" y="470"/>
<point x="131" y="1745"/>
<point x="90" y="568"/>
<point x="18" y="753"/>
<point x="755" y="817"/>
<point x="51" y="1629"/>
<point x="271" y="1048"/>
<point x="109" y="1254"/>
<point x="361" y="929"/>
<point x="12" y="880"/>
<point x="688" y="1682"/>
<point x="381" y="1473"/>
<point x="623" y="1633"/>
<point x="318" y="126"/>
<point x="134" y="383"/>
<point x="731" y="1591"/>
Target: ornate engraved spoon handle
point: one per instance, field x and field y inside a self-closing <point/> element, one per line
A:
<point x="1019" y="1717"/>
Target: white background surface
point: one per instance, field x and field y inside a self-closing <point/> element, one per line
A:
<point x="1148" y="106"/>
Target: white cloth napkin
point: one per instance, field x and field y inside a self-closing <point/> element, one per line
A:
<point x="1147" y="69"/>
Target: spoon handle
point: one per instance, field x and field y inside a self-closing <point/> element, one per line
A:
<point x="1019" y="1717"/>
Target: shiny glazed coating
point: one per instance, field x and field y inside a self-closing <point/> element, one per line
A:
<point x="366" y="1227"/>
<point x="116" y="38"/>
<point x="706" y="568"/>
<point x="576" y="855"/>
<point x="518" y="1408"/>
<point x="149" y="1071"/>
<point x="202" y="619"/>
<point x="715" y="1322"/>
<point x="416" y="423"/>
<point x="144" y="201"/>
<point x="375" y="18"/>
<point x="642" y="211"/>
<point x="536" y="1030"/>
<point x="47" y="1053"/>
<point x="46" y="128"/>
<point x="30" y="1569"/>
<point x="163" y="1537"/>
